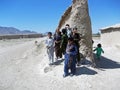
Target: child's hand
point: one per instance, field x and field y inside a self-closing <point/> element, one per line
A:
<point x="47" y="47"/>
<point x="68" y="52"/>
<point x="56" y="41"/>
<point x="60" y="46"/>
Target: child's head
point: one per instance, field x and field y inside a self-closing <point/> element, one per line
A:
<point x="49" y="34"/>
<point x="67" y="26"/>
<point x="75" y="30"/>
<point x="70" y="40"/>
<point x="64" y="31"/>
<point x="59" y="33"/>
<point x="99" y="45"/>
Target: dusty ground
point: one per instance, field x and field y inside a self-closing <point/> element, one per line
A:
<point x="24" y="66"/>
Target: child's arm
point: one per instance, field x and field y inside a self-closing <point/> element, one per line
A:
<point x="95" y="49"/>
<point x="46" y="44"/>
<point x="49" y="43"/>
<point x="102" y="51"/>
<point x="62" y="41"/>
<point x="58" y="41"/>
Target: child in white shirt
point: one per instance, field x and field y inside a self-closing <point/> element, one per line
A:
<point x="50" y="48"/>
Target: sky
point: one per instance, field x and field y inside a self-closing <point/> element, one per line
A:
<point x="44" y="15"/>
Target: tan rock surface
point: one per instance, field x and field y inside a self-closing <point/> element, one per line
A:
<point x="77" y="15"/>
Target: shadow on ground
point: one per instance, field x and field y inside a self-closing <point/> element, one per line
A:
<point x="85" y="70"/>
<point x="103" y="63"/>
<point x="58" y="62"/>
<point x="106" y="63"/>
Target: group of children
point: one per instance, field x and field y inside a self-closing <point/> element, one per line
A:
<point x="66" y="42"/>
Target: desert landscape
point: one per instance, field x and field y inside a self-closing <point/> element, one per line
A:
<point x="24" y="66"/>
<point x="24" y="63"/>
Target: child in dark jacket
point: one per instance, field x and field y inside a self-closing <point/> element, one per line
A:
<point x="70" y="58"/>
<point x="64" y="41"/>
<point x="76" y="37"/>
<point x="57" y="39"/>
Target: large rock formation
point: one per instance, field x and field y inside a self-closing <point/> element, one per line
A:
<point x="77" y="15"/>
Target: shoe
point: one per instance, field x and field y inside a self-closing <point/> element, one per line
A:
<point x="72" y="74"/>
<point x="51" y="64"/>
<point x="56" y="59"/>
<point x="78" y="64"/>
<point x="64" y="75"/>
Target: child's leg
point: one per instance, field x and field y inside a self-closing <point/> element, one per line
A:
<point x="98" y="56"/>
<point x="66" y="69"/>
<point x="52" y="55"/>
<point x="66" y="65"/>
<point x="78" y="57"/>
<point x="49" y="56"/>
<point x="56" y="51"/>
<point x="73" y="67"/>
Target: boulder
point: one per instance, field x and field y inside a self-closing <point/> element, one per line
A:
<point x="77" y="15"/>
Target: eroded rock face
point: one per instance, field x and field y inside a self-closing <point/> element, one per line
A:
<point x="77" y="15"/>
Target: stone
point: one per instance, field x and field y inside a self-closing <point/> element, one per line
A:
<point x="77" y="15"/>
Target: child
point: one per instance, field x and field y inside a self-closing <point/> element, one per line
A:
<point x="64" y="41"/>
<point x="76" y="37"/>
<point x="70" y="58"/>
<point x="68" y="30"/>
<point x="50" y="48"/>
<point x="98" y="50"/>
<point x="57" y="38"/>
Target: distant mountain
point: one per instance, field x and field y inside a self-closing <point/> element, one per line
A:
<point x="12" y="30"/>
<point x="28" y="32"/>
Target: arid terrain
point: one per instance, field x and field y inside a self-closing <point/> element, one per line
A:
<point x="24" y="66"/>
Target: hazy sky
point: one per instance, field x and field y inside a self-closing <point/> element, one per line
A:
<point x="44" y="15"/>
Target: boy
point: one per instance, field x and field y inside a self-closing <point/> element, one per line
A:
<point x="50" y="48"/>
<point x="68" y="30"/>
<point x="99" y="50"/>
<point x="70" y="58"/>
<point x="57" y="39"/>
<point x="64" y="41"/>
<point x="76" y="37"/>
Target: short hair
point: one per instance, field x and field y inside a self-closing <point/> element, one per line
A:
<point x="74" y="28"/>
<point x="99" y="45"/>
<point x="64" y="31"/>
<point x="50" y="33"/>
<point x="59" y="33"/>
<point x="67" y="25"/>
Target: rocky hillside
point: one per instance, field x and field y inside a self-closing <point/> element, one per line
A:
<point x="12" y="30"/>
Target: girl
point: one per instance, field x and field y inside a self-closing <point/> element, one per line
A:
<point x="99" y="50"/>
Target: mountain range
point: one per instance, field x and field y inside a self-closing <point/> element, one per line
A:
<point x="12" y="30"/>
